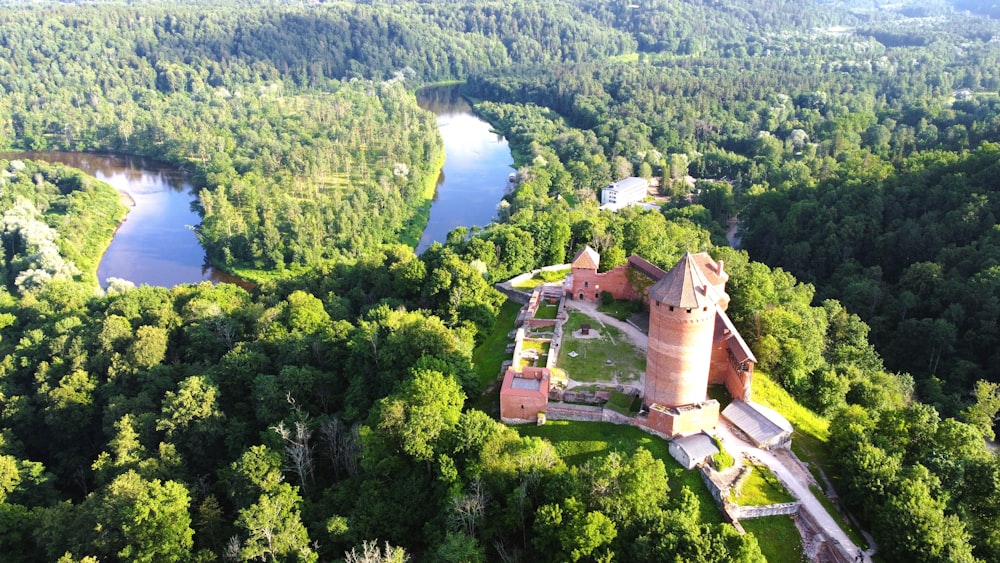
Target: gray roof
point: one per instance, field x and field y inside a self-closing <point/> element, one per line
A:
<point x="526" y="383"/>
<point x="687" y="284"/>
<point x="697" y="446"/>
<point x="630" y="182"/>
<point x="757" y="421"/>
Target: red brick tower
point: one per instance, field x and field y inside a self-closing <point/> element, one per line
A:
<point x="682" y="313"/>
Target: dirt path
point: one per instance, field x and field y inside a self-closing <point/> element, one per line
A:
<point x="589" y="308"/>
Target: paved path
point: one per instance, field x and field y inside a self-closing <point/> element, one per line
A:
<point x="782" y="462"/>
<point x="794" y="475"/>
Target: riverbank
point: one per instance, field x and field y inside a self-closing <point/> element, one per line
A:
<point x="126" y="199"/>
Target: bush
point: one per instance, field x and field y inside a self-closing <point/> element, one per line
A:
<point x="607" y="298"/>
<point x="722" y="460"/>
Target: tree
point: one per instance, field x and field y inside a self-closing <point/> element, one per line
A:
<point x="372" y="553"/>
<point x="983" y="413"/>
<point x="274" y="527"/>
<point x="424" y="408"/>
<point x="567" y="531"/>
<point x="913" y="524"/>
<point x="137" y="520"/>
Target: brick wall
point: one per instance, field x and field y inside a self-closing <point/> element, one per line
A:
<point x="678" y="357"/>
<point x="591" y="283"/>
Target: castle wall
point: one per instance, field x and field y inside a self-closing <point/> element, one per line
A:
<point x="518" y="406"/>
<point x="679" y="354"/>
<point x="683" y="421"/>
<point x="723" y="371"/>
<point x="590" y="283"/>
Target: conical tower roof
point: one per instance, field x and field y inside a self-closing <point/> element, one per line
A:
<point x="687" y="286"/>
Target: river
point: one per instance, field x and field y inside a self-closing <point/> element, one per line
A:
<point x="155" y="245"/>
<point x="476" y="167"/>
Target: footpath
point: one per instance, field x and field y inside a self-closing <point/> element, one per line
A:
<point x="781" y="462"/>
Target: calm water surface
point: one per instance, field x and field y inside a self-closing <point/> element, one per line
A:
<point x="476" y="167"/>
<point x="155" y="245"/>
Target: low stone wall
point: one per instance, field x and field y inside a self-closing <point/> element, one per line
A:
<point x="514" y="295"/>
<point x="570" y="411"/>
<point x="783" y="509"/>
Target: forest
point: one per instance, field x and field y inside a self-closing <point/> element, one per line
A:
<point x="337" y="410"/>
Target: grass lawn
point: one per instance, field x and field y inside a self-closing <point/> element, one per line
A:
<point x="622" y="403"/>
<point x="762" y="488"/>
<point x="541" y="347"/>
<point x="578" y="442"/>
<point x="593" y="355"/>
<point x="490" y="354"/>
<point x="811" y="430"/>
<point x="546" y="311"/>
<point x="544" y="276"/>
<point x="778" y="538"/>
<point x="621" y="309"/>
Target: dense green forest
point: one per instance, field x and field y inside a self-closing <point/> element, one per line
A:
<point x="333" y="408"/>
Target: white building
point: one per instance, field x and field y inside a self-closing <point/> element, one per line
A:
<point x="624" y="192"/>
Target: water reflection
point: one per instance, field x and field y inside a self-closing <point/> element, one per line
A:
<point x="477" y="165"/>
<point x="156" y="245"/>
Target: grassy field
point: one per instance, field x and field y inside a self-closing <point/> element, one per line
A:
<point x="543" y="352"/>
<point x="492" y="351"/>
<point x="578" y="442"/>
<point x="621" y="309"/>
<point x="622" y="403"/>
<point x="762" y="488"/>
<point x="599" y="359"/>
<point x="811" y="430"/>
<point x="778" y="538"/>
<point x="547" y="311"/>
<point x="544" y="276"/>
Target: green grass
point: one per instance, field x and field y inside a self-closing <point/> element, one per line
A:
<point x="778" y="538"/>
<point x="623" y="403"/>
<point x="811" y="430"/>
<point x="578" y="442"/>
<point x="546" y="311"/>
<point x="844" y="523"/>
<point x="762" y="488"/>
<point x="491" y="352"/>
<point x="542" y="277"/>
<point x="722" y="460"/>
<point x="593" y="355"/>
<point x="621" y="309"/>
<point x="543" y="352"/>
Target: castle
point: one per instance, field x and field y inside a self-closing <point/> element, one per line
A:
<point x="692" y="343"/>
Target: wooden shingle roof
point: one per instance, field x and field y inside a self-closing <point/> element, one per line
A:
<point x="687" y="285"/>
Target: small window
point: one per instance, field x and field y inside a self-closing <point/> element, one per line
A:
<point x="704" y="308"/>
<point x="586" y="284"/>
<point x="689" y="310"/>
<point x="671" y="308"/>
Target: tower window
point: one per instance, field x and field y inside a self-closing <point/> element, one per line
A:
<point x="689" y="310"/>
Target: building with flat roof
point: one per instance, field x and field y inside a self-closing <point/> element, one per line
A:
<point x="624" y="192"/>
